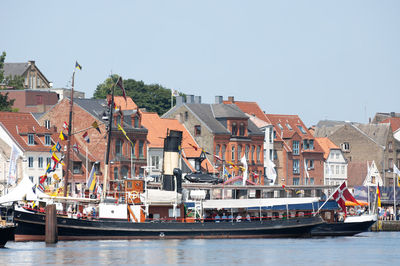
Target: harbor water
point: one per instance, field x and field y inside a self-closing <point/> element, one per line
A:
<point x="370" y="248"/>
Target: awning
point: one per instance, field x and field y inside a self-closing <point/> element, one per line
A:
<point x="352" y="204"/>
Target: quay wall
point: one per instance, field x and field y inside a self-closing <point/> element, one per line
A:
<point x="386" y="226"/>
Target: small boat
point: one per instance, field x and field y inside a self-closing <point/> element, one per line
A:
<point x="6" y="233"/>
<point x="352" y="225"/>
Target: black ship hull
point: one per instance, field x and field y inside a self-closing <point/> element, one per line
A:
<point x="341" y="228"/>
<point x="6" y="233"/>
<point x="31" y="227"/>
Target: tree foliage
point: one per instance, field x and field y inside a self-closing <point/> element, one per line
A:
<point x="9" y="82"/>
<point x="153" y="97"/>
<point x="6" y="104"/>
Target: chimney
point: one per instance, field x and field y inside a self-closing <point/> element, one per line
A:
<point x="218" y="99"/>
<point x="197" y="99"/>
<point x="231" y="99"/>
<point x="179" y="100"/>
<point x="189" y="98"/>
<point x="32" y="62"/>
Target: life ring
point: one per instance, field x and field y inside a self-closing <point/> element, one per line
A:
<point x="132" y="195"/>
<point x="162" y="234"/>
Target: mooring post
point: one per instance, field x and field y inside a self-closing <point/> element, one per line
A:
<point x="51" y="224"/>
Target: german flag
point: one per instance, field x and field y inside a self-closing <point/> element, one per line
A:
<point x="378" y="194"/>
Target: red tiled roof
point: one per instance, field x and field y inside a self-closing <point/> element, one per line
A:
<point x="119" y="101"/>
<point x="251" y="108"/>
<point x="19" y="125"/>
<point x="326" y="146"/>
<point x="394" y="122"/>
<point x="157" y="130"/>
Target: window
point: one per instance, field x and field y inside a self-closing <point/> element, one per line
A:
<point x="247" y="152"/>
<point x="133" y="149"/>
<point x="136" y="122"/>
<point x="30" y="162"/>
<point x="186" y="116"/>
<point x="345" y="146"/>
<point x="118" y="147"/>
<point x="155" y="162"/>
<point x="280" y="126"/>
<point x="390" y="146"/>
<point x="337" y="169"/>
<point x="296" y="147"/>
<point x="274" y="134"/>
<point x="124" y="172"/>
<point x="288" y="126"/>
<point x="275" y="155"/>
<point x="311" y="165"/>
<point x="47" y="140"/>
<point x="48" y="161"/>
<point x="296" y="181"/>
<point x="270" y="135"/>
<point x="197" y="130"/>
<point x="115" y="173"/>
<point x="311" y="144"/>
<point x="47" y="124"/>
<point x="252" y="153"/>
<point x="337" y="155"/>
<point x="311" y="180"/>
<point x="223" y="151"/>
<point x="271" y="153"/>
<point x="302" y="129"/>
<point x="77" y="167"/>
<point x="234" y="129"/>
<point x="390" y="163"/>
<point x="233" y="154"/>
<point x="31" y="178"/>
<point x="342" y="169"/>
<point x="217" y="149"/>
<point x="241" y="129"/>
<point x="31" y="139"/>
<point x="40" y="162"/>
<point x="141" y="144"/>
<point x="296" y="169"/>
<point x="258" y="153"/>
<point x="327" y="169"/>
<point x="239" y="152"/>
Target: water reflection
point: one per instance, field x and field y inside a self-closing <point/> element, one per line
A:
<point x="369" y="248"/>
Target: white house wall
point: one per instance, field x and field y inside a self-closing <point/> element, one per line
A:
<point x="337" y="165"/>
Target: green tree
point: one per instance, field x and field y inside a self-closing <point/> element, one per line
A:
<point x="6" y="104"/>
<point x="153" y="97"/>
<point x="9" y="82"/>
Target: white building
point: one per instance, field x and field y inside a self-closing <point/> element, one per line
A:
<point x="21" y="134"/>
<point x="335" y="164"/>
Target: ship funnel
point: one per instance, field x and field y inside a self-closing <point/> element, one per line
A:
<point x="172" y="144"/>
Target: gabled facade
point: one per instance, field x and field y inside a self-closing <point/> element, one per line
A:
<point x="362" y="143"/>
<point x="126" y="161"/>
<point x="157" y="131"/>
<point x="335" y="164"/>
<point x="223" y="130"/>
<point x="33" y="77"/>
<point x="33" y="143"/>
<point x="301" y="160"/>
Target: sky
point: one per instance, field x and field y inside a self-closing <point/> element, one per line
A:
<point x="336" y="60"/>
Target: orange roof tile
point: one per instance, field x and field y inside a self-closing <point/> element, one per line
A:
<point x="326" y="146"/>
<point x="251" y="108"/>
<point x="394" y="122"/>
<point x="157" y="130"/>
<point x="19" y="124"/>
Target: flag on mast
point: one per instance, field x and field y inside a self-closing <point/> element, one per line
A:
<point x="78" y="66"/>
<point x="121" y="85"/>
<point x="341" y="195"/>
<point x="244" y="162"/>
<point x="126" y="136"/>
<point x="91" y="183"/>
<point x="96" y="126"/>
<point x="396" y="171"/>
<point x="86" y="137"/>
<point x="378" y="194"/>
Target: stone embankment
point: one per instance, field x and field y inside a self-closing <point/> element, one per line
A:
<point x="386" y="226"/>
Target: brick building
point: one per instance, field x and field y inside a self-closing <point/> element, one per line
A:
<point x="126" y="160"/>
<point x="362" y="144"/>
<point x="222" y="130"/>
<point x="32" y="101"/>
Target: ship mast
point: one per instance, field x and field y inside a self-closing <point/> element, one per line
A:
<point x="108" y="144"/>
<point x="69" y="137"/>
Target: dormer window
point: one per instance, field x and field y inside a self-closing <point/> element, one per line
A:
<point x="288" y="126"/>
<point x="31" y="139"/>
<point x="234" y="129"/>
<point x="136" y="122"/>
<point x="302" y="129"/>
<point x="280" y="126"/>
<point x="241" y="129"/>
<point x="47" y="140"/>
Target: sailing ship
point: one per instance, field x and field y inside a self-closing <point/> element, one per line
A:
<point x="140" y="212"/>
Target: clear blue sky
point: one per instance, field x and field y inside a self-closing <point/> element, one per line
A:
<point x="335" y="60"/>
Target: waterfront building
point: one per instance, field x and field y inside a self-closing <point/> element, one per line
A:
<point x="127" y="159"/>
<point x="363" y="143"/>
<point x="32" y="143"/>
<point x="190" y="151"/>
<point x="222" y="130"/>
<point x="335" y="164"/>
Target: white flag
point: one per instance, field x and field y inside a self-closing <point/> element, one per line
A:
<point x="271" y="173"/>
<point x="244" y="162"/>
<point x="305" y="168"/>
<point x="12" y="171"/>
